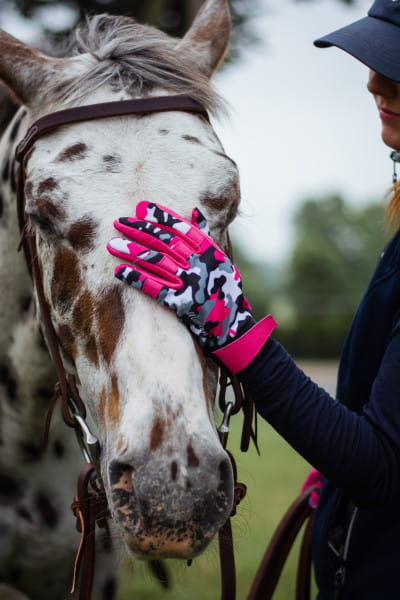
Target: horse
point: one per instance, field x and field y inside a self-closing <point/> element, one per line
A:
<point x="148" y="389"/>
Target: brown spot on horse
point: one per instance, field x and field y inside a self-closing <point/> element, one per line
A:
<point x="83" y="324"/>
<point x="91" y="351"/>
<point x="102" y="406"/>
<point x="75" y="152"/>
<point x="66" y="281"/>
<point x="67" y="341"/>
<point x="109" y="406"/>
<point x="82" y="316"/>
<point x="121" y="443"/>
<point x="193" y="460"/>
<point x="110" y="320"/>
<point x="112" y="162"/>
<point x="192" y="139"/>
<point x="82" y="233"/>
<point x="157" y="434"/>
<point x="47" y="185"/>
<point x="114" y="402"/>
<point x="48" y="210"/>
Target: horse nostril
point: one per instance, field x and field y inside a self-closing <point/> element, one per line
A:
<point x="121" y="475"/>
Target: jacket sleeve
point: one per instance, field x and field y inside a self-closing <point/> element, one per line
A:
<point x="358" y="453"/>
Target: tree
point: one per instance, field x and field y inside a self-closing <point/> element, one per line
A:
<point x="172" y="16"/>
<point x="335" y="250"/>
<point x="259" y="284"/>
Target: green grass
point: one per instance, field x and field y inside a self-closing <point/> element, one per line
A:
<point x="273" y="480"/>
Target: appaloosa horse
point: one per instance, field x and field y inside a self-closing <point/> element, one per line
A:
<point x="143" y="380"/>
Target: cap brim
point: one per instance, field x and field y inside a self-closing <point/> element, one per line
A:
<point x="372" y="41"/>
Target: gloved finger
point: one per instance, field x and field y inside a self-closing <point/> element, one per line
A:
<point x="150" y="260"/>
<point x="151" y="236"/>
<point x="168" y="220"/>
<point x="141" y="280"/>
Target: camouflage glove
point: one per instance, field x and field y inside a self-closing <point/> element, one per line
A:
<point x="177" y="263"/>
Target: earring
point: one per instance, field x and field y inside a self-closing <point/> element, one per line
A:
<point x="395" y="156"/>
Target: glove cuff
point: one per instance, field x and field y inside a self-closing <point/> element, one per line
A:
<point x="239" y="353"/>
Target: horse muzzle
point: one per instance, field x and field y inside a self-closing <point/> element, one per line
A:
<point x="171" y="512"/>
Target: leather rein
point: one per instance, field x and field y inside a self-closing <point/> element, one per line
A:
<point x="90" y="504"/>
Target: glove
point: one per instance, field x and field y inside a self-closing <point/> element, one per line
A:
<point x="314" y="478"/>
<point x="176" y="262"/>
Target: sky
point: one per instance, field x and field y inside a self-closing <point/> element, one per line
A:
<point x="301" y="124"/>
<point x="301" y="120"/>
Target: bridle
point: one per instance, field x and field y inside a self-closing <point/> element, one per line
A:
<point x="90" y="504"/>
<point x="72" y="406"/>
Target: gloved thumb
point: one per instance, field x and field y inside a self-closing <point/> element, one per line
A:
<point x="200" y="221"/>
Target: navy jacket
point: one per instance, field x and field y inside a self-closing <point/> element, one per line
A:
<point x="353" y="440"/>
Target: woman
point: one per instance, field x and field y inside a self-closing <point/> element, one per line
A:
<point x="353" y="441"/>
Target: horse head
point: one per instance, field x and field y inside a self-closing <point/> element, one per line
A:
<point x="143" y="380"/>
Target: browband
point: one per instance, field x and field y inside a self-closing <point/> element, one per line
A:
<point x="106" y="109"/>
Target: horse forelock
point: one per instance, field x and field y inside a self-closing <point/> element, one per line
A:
<point x="132" y="58"/>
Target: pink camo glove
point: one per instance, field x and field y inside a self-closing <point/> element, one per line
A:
<point x="177" y="263"/>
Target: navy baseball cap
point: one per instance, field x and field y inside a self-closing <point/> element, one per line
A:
<point x="374" y="40"/>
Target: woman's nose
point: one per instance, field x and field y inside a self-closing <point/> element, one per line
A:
<point x="379" y="85"/>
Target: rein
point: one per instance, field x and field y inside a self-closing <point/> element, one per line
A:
<point x="90" y="503"/>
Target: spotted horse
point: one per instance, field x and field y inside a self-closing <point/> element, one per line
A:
<point x="147" y="390"/>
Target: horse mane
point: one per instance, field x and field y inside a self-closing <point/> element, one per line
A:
<point x="135" y="58"/>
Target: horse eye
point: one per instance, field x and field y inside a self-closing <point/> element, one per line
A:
<point x="44" y="224"/>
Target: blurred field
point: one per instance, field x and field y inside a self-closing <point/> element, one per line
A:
<point x="273" y="481"/>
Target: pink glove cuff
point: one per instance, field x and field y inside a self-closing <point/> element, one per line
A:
<point x="237" y="355"/>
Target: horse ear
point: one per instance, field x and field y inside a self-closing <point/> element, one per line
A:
<point x="22" y="69"/>
<point x="209" y="35"/>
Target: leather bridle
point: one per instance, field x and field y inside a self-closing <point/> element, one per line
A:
<point x="72" y="406"/>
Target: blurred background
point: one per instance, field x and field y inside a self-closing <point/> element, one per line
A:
<point x="314" y="174"/>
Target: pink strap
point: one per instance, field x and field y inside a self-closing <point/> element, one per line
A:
<point x="237" y="355"/>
